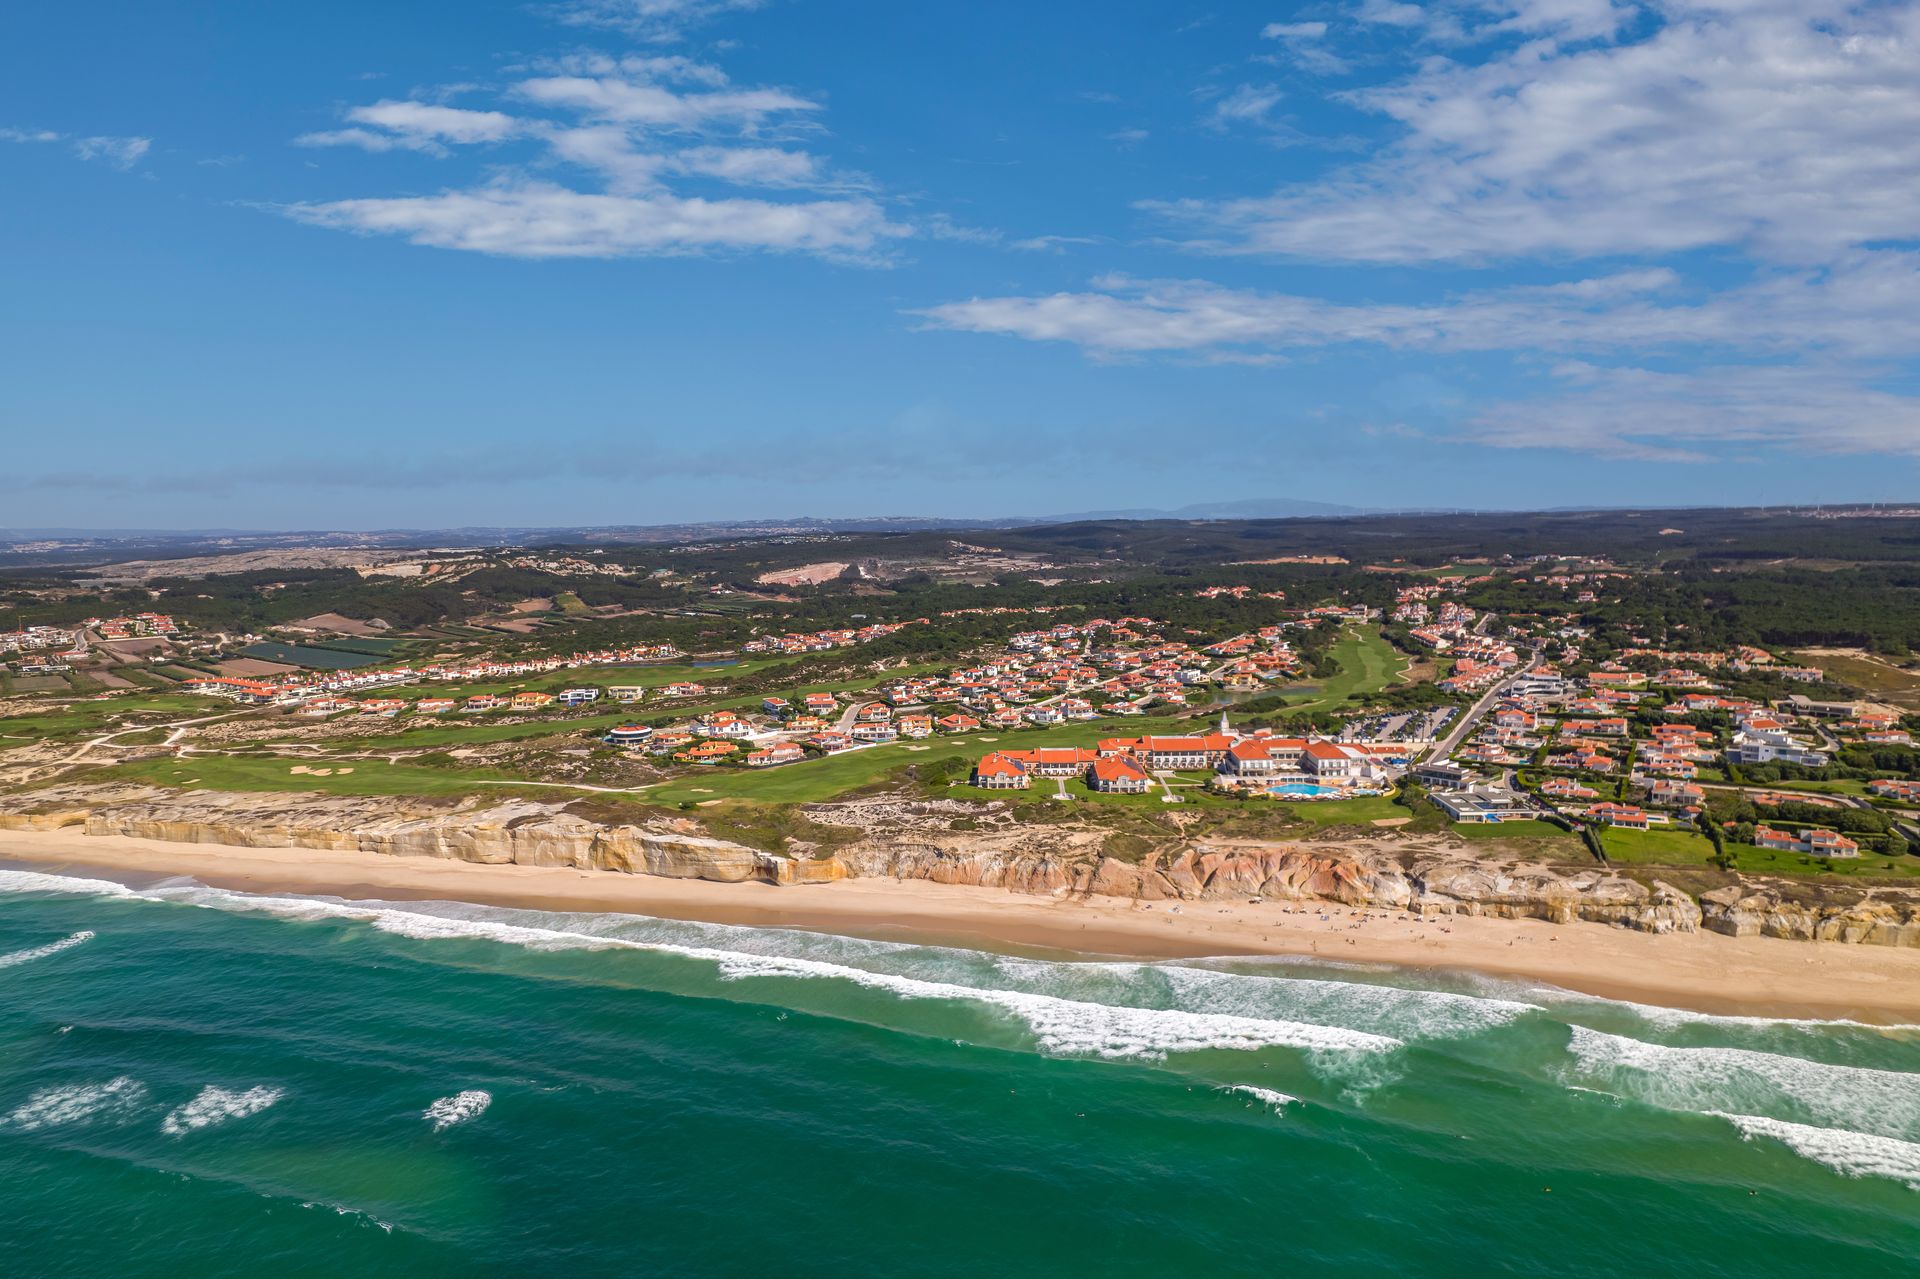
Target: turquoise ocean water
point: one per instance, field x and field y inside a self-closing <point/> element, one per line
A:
<point x="197" y="1082"/>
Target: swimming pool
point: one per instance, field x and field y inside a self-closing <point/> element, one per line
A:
<point x="1303" y="790"/>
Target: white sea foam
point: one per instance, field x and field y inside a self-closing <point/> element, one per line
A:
<point x="33" y="881"/>
<point x="1271" y="1099"/>
<point x="457" y="1109"/>
<point x="77" y="1104"/>
<point x="51" y="948"/>
<point x="1852" y="1154"/>
<point x="1060" y="1025"/>
<point x="1399" y="1011"/>
<point x="217" y="1105"/>
<point x="355" y="1213"/>
<point x="1712" y="1080"/>
<point x="1674" y="1018"/>
<point x="1081" y="1028"/>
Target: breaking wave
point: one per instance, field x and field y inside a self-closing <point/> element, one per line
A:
<point x="1852" y="1154"/>
<point x="1273" y="1100"/>
<point x="1060" y="1025"/>
<point x="77" y="1104"/>
<point x="217" y="1105"/>
<point x="51" y="948"/>
<point x="1710" y="1080"/>
<point x="457" y="1109"/>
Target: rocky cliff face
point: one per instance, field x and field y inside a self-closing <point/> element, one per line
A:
<point x="1300" y="873"/>
<point x="1428" y="876"/>
<point x="524" y="834"/>
<point x="1763" y="910"/>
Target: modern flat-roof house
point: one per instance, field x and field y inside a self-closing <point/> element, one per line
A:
<point x="1480" y="805"/>
<point x="626" y="692"/>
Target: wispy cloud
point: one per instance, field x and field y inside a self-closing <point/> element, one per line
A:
<point x="117" y="152"/>
<point x="656" y="20"/>
<point x="1702" y="415"/>
<point x="1711" y="124"/>
<point x="1305" y="46"/>
<point x="642" y="126"/>
<point x="541" y="220"/>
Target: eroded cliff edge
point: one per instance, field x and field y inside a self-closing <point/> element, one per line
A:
<point x="1428" y="876"/>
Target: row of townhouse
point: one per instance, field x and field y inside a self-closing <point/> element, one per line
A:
<point x="1895" y="788"/>
<point x="1016" y="770"/>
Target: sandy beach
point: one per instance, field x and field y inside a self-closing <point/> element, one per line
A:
<point x="1705" y="971"/>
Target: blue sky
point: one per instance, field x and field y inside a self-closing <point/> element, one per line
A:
<point x="633" y="261"/>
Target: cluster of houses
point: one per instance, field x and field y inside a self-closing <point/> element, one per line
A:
<point x="826" y="641"/>
<point x="34" y="639"/>
<point x="303" y="688"/>
<point x="569" y="566"/>
<point x="139" y="626"/>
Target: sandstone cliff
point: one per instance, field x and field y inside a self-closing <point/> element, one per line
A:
<point x="1429" y="876"/>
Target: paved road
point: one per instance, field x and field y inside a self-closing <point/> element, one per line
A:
<point x="1476" y="712"/>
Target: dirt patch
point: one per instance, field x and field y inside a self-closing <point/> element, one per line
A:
<point x="251" y="667"/>
<point x="136" y="647"/>
<point x="805" y="575"/>
<point x="338" y="625"/>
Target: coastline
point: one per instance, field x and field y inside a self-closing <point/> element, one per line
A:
<point x="1704" y="972"/>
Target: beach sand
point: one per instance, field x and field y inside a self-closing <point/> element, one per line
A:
<point x="1703" y="971"/>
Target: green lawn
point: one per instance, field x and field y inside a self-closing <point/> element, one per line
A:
<point x="86" y="719"/>
<point x="1367" y="664"/>
<point x="814" y="780"/>
<point x="1361" y="811"/>
<point x="1673" y="846"/>
<point x="1685" y="847"/>
<point x="273" y="773"/>
<point x="1845" y="786"/>
<point x="1771" y="861"/>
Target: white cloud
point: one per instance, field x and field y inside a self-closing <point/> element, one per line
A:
<point x="1706" y="414"/>
<point x="1188" y="317"/>
<point x="751" y="166"/>
<point x="119" y="152"/>
<point x="1790" y="128"/>
<point x="367" y="140"/>
<point x="1293" y="30"/>
<point x="1248" y="104"/>
<point x="1051" y="243"/>
<point x="540" y="220"/>
<point x="627" y="100"/>
<point x="639" y="124"/>
<point x="1305" y="46"/>
<point x="661" y="20"/>
<point x="442" y="124"/>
